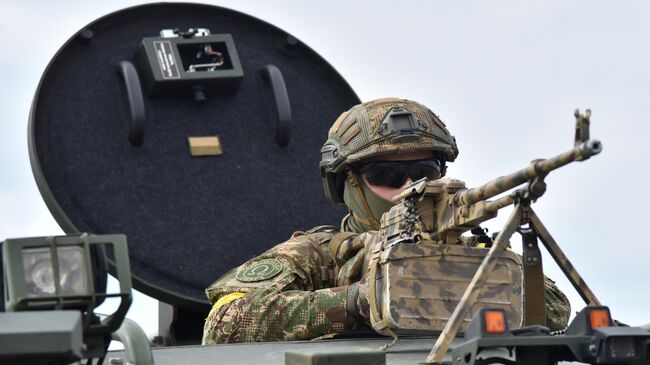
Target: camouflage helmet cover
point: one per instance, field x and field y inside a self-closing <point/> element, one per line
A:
<point x="381" y="127"/>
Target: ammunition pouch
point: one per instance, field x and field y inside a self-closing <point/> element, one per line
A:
<point x="413" y="288"/>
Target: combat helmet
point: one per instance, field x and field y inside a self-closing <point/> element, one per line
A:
<point x="380" y="127"/>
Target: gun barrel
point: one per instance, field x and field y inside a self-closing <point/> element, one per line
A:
<point x="537" y="168"/>
<point x="494" y="206"/>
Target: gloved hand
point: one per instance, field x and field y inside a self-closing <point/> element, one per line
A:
<point x="357" y="303"/>
<point x="356" y="267"/>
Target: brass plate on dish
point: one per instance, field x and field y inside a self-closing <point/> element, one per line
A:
<point x="205" y="146"/>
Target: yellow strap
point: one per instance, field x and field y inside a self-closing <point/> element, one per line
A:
<point x="483" y="246"/>
<point x="225" y="300"/>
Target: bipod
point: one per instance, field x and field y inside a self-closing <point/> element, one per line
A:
<point x="521" y="216"/>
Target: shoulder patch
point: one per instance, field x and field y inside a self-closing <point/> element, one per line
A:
<point x="259" y="271"/>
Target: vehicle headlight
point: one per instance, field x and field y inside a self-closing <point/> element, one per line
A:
<point x="614" y="345"/>
<point x="63" y="272"/>
<point x="40" y="275"/>
<point x="61" y="280"/>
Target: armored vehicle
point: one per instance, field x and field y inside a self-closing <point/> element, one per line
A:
<point x="180" y="129"/>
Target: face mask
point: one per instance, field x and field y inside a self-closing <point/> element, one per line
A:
<point x="359" y="220"/>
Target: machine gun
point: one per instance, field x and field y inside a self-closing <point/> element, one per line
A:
<point x="420" y="251"/>
<point x="456" y="210"/>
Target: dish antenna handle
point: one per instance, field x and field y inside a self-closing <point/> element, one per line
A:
<point x="271" y="74"/>
<point x="129" y="75"/>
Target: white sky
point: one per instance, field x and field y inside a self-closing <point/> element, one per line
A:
<point x="504" y="75"/>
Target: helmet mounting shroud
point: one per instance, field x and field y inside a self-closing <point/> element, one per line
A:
<point x="401" y="126"/>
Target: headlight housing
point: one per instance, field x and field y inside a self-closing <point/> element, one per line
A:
<point x="618" y="345"/>
<point x="65" y="272"/>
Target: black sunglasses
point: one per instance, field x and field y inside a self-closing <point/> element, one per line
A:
<point x="395" y="173"/>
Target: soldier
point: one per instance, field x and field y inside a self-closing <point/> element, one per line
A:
<point x="308" y="287"/>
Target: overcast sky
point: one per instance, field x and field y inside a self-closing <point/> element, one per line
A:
<point x="504" y="75"/>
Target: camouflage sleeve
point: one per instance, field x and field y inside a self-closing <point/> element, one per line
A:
<point x="558" y="308"/>
<point x="284" y="297"/>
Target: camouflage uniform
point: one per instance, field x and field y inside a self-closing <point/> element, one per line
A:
<point x="301" y="300"/>
<point x="306" y="287"/>
<point x="307" y="299"/>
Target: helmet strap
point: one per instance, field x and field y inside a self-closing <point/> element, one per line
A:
<point x="353" y="180"/>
